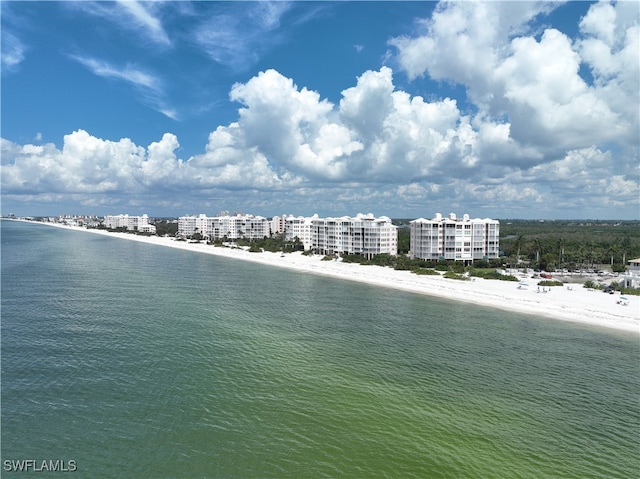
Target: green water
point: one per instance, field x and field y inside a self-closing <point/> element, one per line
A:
<point x="140" y="361"/>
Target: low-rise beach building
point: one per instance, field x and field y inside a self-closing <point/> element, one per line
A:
<point x="224" y="227"/>
<point x="453" y="238"/>
<point x="130" y="223"/>
<point x="631" y="278"/>
<point x="82" y="221"/>
<point x="365" y="235"/>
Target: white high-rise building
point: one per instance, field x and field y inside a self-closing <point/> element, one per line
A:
<point x="454" y="238"/>
<point x="190" y="225"/>
<point x="278" y="224"/>
<point x="364" y="235"/>
<point x="131" y="223"/>
<point x="300" y="227"/>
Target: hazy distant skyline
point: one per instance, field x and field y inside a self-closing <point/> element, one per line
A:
<point x="404" y="109"/>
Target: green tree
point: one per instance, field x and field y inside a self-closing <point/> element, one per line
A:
<point x="404" y="240"/>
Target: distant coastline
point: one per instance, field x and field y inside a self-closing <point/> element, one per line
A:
<point x="577" y="305"/>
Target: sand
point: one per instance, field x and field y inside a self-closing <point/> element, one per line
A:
<point x="572" y="303"/>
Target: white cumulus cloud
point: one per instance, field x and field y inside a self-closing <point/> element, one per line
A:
<point x="534" y="80"/>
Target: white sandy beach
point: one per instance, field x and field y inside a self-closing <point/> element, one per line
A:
<point x="578" y="304"/>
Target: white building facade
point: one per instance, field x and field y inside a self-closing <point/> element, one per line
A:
<point x="131" y="223"/>
<point x="365" y="235"/>
<point x="190" y="225"/>
<point x="224" y="227"/>
<point x="631" y="279"/>
<point x="278" y="224"/>
<point x="300" y="227"/>
<point x="452" y="238"/>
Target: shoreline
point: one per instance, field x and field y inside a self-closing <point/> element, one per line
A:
<point x="577" y="305"/>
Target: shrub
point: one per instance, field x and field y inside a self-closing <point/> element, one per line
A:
<point x="618" y="268"/>
<point x="630" y="291"/>
<point x="592" y="285"/>
<point x="383" y="260"/>
<point x="457" y="267"/>
<point x="550" y="283"/>
<point x="453" y="275"/>
<point x="492" y="274"/>
<point x="353" y="258"/>
<point x="481" y="263"/>
<point x="403" y="263"/>
<point x="425" y="271"/>
<point x="508" y="277"/>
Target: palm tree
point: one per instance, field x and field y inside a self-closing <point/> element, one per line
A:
<point x="626" y="243"/>
<point x="537" y="246"/>
<point x="518" y="244"/>
<point x="581" y="255"/>
<point x="613" y="249"/>
<point x="560" y="250"/>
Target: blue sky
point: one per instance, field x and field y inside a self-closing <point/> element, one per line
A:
<point x="405" y="109"/>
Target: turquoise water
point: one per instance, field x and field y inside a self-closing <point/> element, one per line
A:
<point x="135" y="360"/>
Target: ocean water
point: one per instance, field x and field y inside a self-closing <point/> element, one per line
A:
<point x="132" y="360"/>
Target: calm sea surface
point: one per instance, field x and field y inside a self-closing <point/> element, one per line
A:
<point x="139" y="361"/>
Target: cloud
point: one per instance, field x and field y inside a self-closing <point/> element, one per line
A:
<point x="463" y="40"/>
<point x="532" y="79"/>
<point x="140" y="18"/>
<point x="149" y="85"/>
<point x="292" y="128"/>
<point x="129" y="74"/>
<point x="238" y="34"/>
<point x="13" y="51"/>
<point x="413" y="189"/>
<point x="144" y="18"/>
<point x="376" y="134"/>
<point x="609" y="47"/>
<point x="291" y="147"/>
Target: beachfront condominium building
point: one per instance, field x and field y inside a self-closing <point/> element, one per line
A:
<point x="130" y="223"/>
<point x="293" y="227"/>
<point x="300" y="227"/>
<point x="190" y="225"/>
<point x="224" y="227"/>
<point x="460" y="239"/>
<point x="278" y="224"/>
<point x="365" y="235"/>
